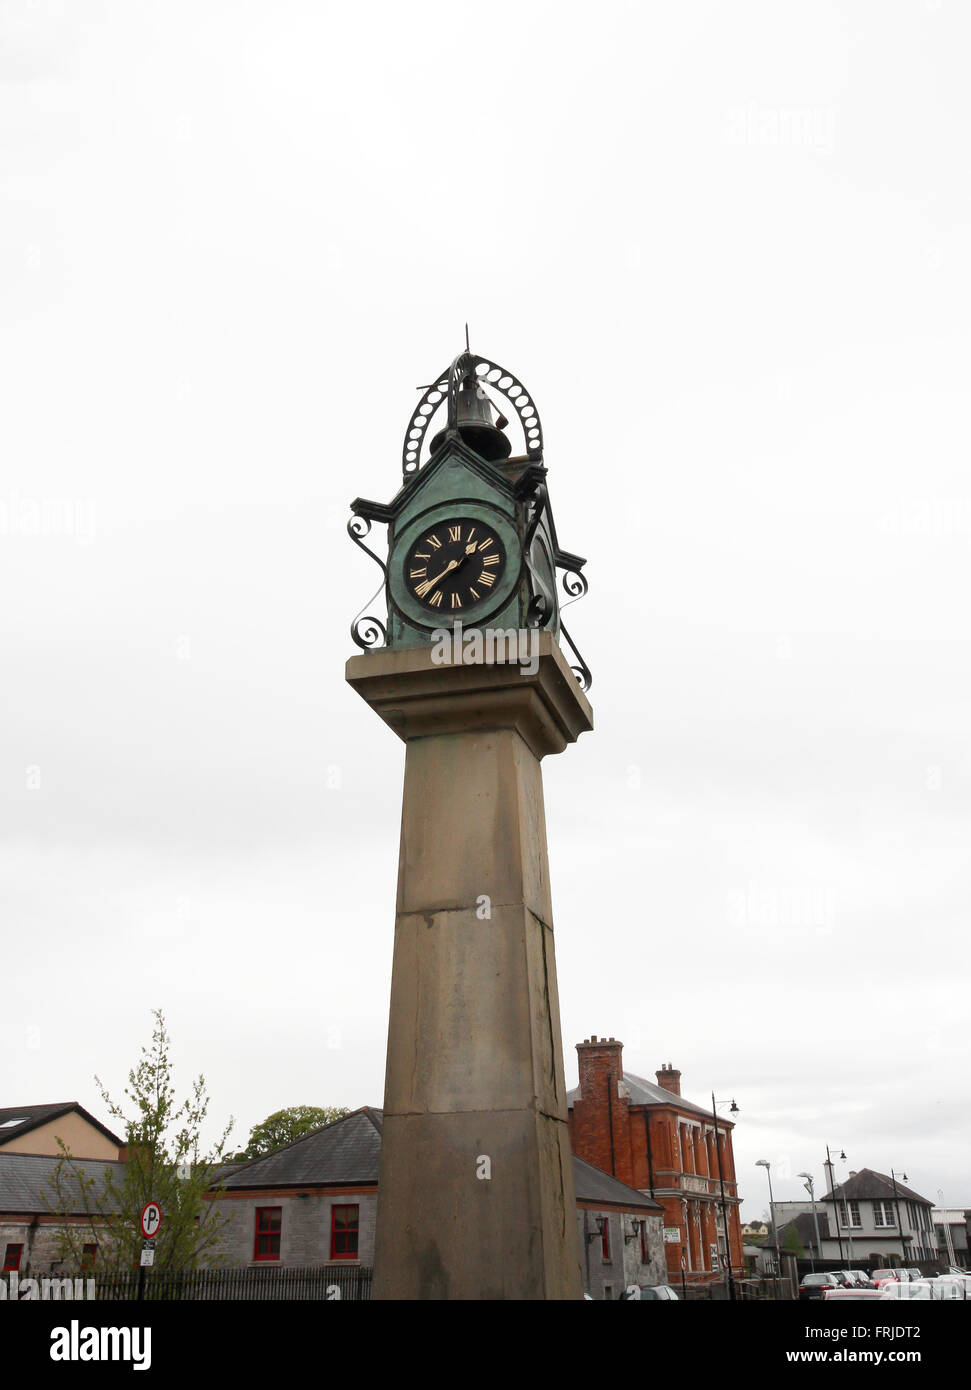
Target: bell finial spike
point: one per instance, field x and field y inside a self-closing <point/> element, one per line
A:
<point x="467" y="348"/>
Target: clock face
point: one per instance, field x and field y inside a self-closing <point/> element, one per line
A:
<point x="454" y="565"/>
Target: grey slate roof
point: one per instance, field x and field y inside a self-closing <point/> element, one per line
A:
<point x="593" y="1185"/>
<point x="805" y="1228"/>
<point x="25" y="1181"/>
<point x="867" y="1184"/>
<point x="649" y="1093"/>
<point x="32" y="1116"/>
<point x="348" y="1150"/>
<point x="345" y="1151"/>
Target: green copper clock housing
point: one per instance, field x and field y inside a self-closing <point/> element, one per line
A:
<point x="469" y="479"/>
<point x="486" y="521"/>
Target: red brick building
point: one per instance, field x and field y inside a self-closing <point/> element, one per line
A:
<point x="650" y="1137"/>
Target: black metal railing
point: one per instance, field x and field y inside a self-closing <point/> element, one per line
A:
<point x="322" y="1283"/>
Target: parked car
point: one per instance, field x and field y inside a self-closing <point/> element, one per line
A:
<point x="881" y="1276"/>
<point x="953" y="1286"/>
<point x="844" y="1278"/>
<point x="814" y="1285"/>
<point x="950" y="1287"/>
<point x="921" y="1289"/>
<point x="838" y="1294"/>
<point x="863" y="1279"/>
<point x="656" y="1293"/>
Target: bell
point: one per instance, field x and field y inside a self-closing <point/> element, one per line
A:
<point x="475" y="424"/>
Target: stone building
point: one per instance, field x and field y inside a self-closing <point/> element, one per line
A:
<point x="28" y="1228"/>
<point x="654" y="1139"/>
<point x="314" y="1202"/>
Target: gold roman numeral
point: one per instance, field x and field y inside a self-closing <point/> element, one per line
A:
<point x="456" y="601"/>
<point x="455" y="533"/>
<point x="420" y="555"/>
<point x="434" y="542"/>
<point x="472" y="592"/>
<point x="418" y="574"/>
<point x="484" y="545"/>
<point x="487" y="579"/>
<point x="490" y="559"/>
<point x="436" y="599"/>
<point x="471" y="532"/>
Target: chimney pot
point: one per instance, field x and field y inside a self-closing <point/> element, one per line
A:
<point x="669" y="1078"/>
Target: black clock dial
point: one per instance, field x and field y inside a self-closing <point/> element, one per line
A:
<point x="454" y="565"/>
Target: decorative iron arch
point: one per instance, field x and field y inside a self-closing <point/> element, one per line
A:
<point x="494" y="377"/>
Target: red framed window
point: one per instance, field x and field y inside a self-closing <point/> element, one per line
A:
<point x="88" y="1256"/>
<point x="269" y="1221"/>
<point x="344" y="1229"/>
<point x="12" y="1258"/>
<point x="605" y="1238"/>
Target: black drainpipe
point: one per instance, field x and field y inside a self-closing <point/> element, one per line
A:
<point x="650" y="1156"/>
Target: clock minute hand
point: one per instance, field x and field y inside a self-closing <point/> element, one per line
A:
<point x="429" y="584"/>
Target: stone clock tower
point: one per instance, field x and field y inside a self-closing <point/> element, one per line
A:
<point x="475" y="1190"/>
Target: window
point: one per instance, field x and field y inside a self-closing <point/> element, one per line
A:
<point x="11" y="1259"/>
<point x="855" y="1219"/>
<point x="88" y="1256"/>
<point x="344" y="1231"/>
<point x="883" y="1214"/>
<point x="605" y="1239"/>
<point x="643" y="1242"/>
<point x="268" y="1223"/>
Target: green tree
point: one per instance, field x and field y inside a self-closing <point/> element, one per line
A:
<point x="165" y="1163"/>
<point x="284" y="1126"/>
<point x="792" y="1243"/>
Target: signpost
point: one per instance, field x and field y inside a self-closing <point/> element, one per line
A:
<point x="151" y="1223"/>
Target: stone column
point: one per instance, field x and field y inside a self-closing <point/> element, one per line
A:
<point x="475" y="1186"/>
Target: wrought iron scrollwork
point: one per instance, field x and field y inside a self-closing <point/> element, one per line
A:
<point x="367" y="631"/>
<point x="575" y="584"/>
<point x="581" y="670"/>
<point x="538" y="611"/>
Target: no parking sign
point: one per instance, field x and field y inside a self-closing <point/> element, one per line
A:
<point x="151" y="1220"/>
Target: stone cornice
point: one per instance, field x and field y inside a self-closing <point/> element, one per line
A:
<point x="419" y="698"/>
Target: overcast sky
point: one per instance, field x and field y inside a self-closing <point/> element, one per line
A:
<point x="725" y="247"/>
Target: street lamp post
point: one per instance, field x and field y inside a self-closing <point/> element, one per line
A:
<point x="896" y="1203"/>
<point x="721" y="1184"/>
<point x="812" y="1197"/>
<point x="764" y="1163"/>
<point x="836" y="1205"/>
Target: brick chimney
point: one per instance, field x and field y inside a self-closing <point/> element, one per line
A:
<point x="600" y="1116"/>
<point x="598" y="1060"/>
<point x="670" y="1078"/>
